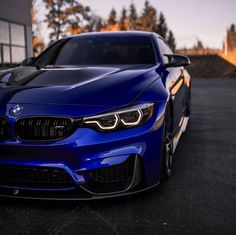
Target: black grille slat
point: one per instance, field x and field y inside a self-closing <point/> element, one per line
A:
<point x="43" y="128"/>
<point x="117" y="173"/>
<point x="4" y="129"/>
<point x="34" y="176"/>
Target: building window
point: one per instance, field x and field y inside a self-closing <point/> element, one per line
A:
<point x="12" y="43"/>
<point x="4" y="32"/>
<point x="17" y="54"/>
<point x="6" y="54"/>
<point x="17" y="35"/>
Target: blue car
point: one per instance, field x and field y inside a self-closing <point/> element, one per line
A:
<point x="95" y="115"/>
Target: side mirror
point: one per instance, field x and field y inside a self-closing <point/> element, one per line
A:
<point x="28" y="61"/>
<point x="175" y="60"/>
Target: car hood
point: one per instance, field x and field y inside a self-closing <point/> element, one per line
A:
<point x="91" y="86"/>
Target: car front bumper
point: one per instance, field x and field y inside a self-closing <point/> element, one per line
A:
<point x="88" y="158"/>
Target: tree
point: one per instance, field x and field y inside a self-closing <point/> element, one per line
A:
<point x="70" y="17"/>
<point x="94" y="24"/>
<point x="37" y="39"/>
<point x="146" y="7"/>
<point x="171" y="40"/>
<point x="162" y="28"/>
<point x="99" y="24"/>
<point x="78" y="17"/>
<point x="123" y="20"/>
<point x="55" y="17"/>
<point x="232" y="28"/>
<point x="112" y="17"/>
<point x="148" y="18"/>
<point x="132" y="17"/>
<point x="199" y="45"/>
<point x="199" y="48"/>
<point x="65" y="16"/>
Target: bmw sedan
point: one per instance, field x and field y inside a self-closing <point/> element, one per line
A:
<point x="95" y="115"/>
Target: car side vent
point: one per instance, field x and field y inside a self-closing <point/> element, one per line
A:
<point x="44" y="128"/>
<point x="4" y="129"/>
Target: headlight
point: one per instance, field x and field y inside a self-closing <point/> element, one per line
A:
<point x="121" y="119"/>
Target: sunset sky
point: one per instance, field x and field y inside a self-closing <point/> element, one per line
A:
<point x="189" y="19"/>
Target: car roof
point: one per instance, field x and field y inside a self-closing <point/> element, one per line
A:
<point x="116" y="33"/>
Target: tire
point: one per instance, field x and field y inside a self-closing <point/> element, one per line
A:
<point x="188" y="108"/>
<point x="166" y="158"/>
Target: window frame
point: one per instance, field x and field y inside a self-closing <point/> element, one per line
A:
<point x="163" y="58"/>
<point x="10" y="44"/>
<point x="39" y="59"/>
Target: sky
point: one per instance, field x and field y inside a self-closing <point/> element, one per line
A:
<point x="190" y="20"/>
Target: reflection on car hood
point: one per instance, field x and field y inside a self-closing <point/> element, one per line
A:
<point x="97" y="86"/>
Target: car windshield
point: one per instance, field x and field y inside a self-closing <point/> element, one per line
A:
<point x="99" y="51"/>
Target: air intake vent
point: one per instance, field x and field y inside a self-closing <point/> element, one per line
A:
<point x="23" y="176"/>
<point x="117" y="173"/>
<point x="44" y="128"/>
<point x="4" y="129"/>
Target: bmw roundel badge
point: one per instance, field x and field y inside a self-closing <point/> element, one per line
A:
<point x="16" y="110"/>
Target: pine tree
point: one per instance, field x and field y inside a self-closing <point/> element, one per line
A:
<point x="148" y="18"/>
<point x="171" y="40"/>
<point x="112" y="17"/>
<point x="123" y="20"/>
<point x="146" y="7"/>
<point x="232" y="28"/>
<point x="162" y="28"/>
<point x="132" y="17"/>
<point x="199" y="48"/>
<point x="70" y="17"/>
<point x="199" y="45"/>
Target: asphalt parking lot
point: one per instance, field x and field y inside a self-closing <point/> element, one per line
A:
<point x="200" y="198"/>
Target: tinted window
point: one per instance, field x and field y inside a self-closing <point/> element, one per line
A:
<point x="99" y="51"/>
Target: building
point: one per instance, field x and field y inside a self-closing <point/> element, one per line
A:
<point x="15" y="32"/>
<point x="230" y="41"/>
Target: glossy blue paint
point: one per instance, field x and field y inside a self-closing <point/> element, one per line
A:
<point x="101" y="89"/>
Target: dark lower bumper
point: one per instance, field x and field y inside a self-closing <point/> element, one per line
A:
<point x="75" y="194"/>
<point x="125" y="178"/>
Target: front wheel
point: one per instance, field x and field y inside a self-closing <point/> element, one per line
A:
<point x="166" y="149"/>
<point x="188" y="105"/>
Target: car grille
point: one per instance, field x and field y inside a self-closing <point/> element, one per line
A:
<point x="23" y="176"/>
<point x="117" y="173"/>
<point x="43" y="128"/>
<point x="4" y="129"/>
